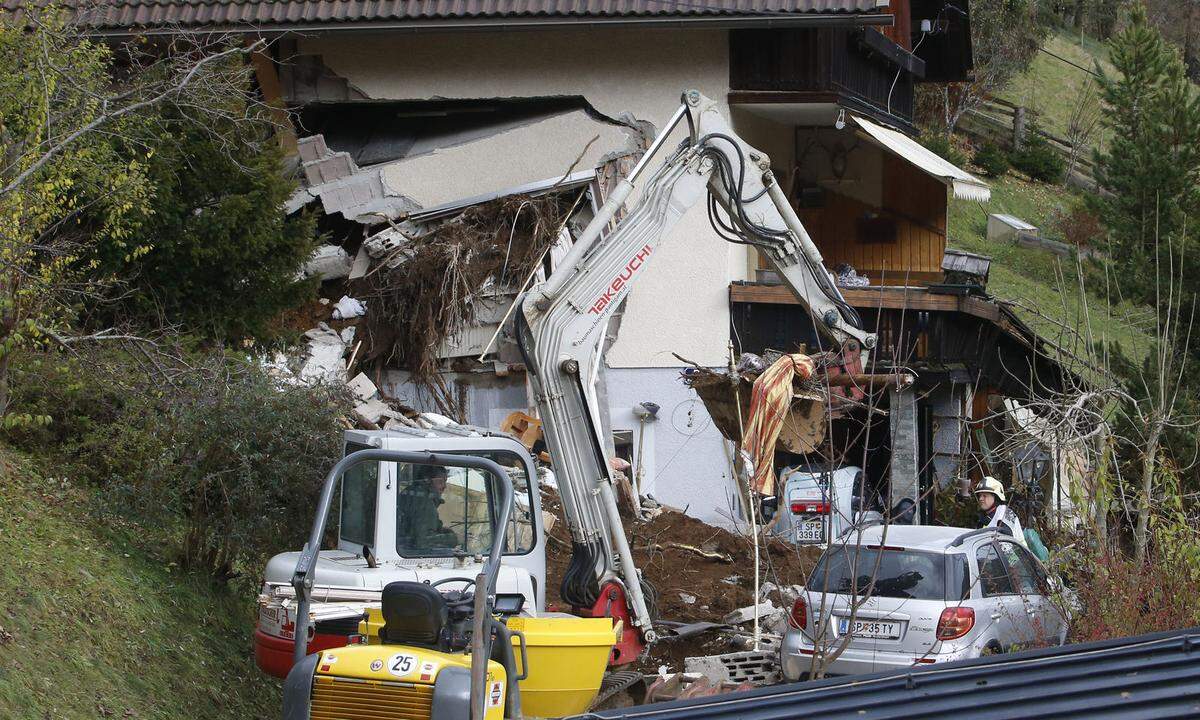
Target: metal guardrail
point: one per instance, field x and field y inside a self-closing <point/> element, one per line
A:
<point x="1148" y="676"/>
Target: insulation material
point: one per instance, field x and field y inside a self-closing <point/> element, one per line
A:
<point x="770" y="403"/>
<point x="417" y="307"/>
<point x="348" y="308"/>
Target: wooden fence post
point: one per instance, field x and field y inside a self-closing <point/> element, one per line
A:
<point x="1018" y="128"/>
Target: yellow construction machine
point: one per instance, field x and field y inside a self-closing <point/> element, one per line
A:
<point x="448" y="650"/>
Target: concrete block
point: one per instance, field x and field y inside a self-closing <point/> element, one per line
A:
<point x="362" y="387"/>
<point x="312" y="148"/>
<point x="746" y="614"/>
<point x="328" y="262"/>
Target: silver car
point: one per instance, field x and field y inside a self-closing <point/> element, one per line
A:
<point x="889" y="597"/>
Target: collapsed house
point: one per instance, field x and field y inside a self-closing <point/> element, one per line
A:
<point x="450" y="158"/>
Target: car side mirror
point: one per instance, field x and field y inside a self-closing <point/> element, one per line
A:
<point x="767" y="507"/>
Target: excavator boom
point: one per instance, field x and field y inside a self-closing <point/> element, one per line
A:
<point x="561" y="326"/>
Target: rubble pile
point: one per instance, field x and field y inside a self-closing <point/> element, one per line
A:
<point x="424" y="281"/>
<point x="702" y="574"/>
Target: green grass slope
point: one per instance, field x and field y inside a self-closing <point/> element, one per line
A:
<point x="1044" y="287"/>
<point x="1051" y="87"/>
<point x="94" y="625"/>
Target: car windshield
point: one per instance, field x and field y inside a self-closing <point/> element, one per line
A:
<point x="900" y="573"/>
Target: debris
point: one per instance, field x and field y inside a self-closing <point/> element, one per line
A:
<point x="751" y="363"/>
<point x="417" y="307"/>
<point x="373" y="411"/>
<point x="732" y="580"/>
<point x="362" y="387"/>
<point x="347" y="308"/>
<point x="324" y="361"/>
<point x="719" y="557"/>
<point x="847" y="276"/>
<point x="757" y="667"/>
<point x="746" y="614"/>
<point x="697" y="628"/>
<point x="548" y="520"/>
<point x="362" y="263"/>
<point x="681" y="686"/>
<point x="433" y="420"/>
<point x="328" y="262"/>
<point x="764" y="592"/>
<point x="687" y="598"/>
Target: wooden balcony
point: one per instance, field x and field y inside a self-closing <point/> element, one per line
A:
<point x="861" y="70"/>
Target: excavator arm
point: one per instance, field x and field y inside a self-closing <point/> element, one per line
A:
<point x="561" y="326"/>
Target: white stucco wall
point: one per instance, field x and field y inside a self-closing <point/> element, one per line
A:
<point x="680" y="303"/>
<point x="685" y="456"/>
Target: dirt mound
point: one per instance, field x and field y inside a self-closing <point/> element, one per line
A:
<point x="685" y="560"/>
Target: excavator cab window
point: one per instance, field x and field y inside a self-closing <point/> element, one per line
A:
<point x="442" y="512"/>
<point x="357" y="505"/>
<point x="446" y="512"/>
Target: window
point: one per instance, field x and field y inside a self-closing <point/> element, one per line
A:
<point x="993" y="575"/>
<point x="1024" y="578"/>
<point x="358" y="498"/>
<point x="444" y="512"/>
<point x="900" y="574"/>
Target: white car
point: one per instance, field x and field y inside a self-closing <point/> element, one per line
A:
<point x="896" y="596"/>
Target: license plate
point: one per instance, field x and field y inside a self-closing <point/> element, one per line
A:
<point x="810" y="531"/>
<point x="878" y="629"/>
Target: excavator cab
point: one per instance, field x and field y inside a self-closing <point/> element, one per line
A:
<point x="450" y="648"/>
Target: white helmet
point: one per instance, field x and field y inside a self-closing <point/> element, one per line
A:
<point x="993" y="486"/>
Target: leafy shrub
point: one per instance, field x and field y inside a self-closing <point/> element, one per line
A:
<point x="992" y="160"/>
<point x="1038" y="159"/>
<point x="217" y="256"/>
<point x="940" y="144"/>
<point x="1079" y="226"/>
<point x="213" y="447"/>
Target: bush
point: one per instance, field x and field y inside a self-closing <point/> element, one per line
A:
<point x="217" y="256"/>
<point x="940" y="144"/>
<point x="992" y="160"/>
<point x="1079" y="227"/>
<point x="213" y="448"/>
<point x="1038" y="159"/>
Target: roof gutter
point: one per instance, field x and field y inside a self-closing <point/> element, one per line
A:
<point x="763" y="21"/>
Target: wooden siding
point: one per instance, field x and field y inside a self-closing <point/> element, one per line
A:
<point x="900" y="32"/>
<point x="915" y="202"/>
<point x="807" y="61"/>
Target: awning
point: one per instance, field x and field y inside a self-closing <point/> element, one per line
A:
<point x="966" y="186"/>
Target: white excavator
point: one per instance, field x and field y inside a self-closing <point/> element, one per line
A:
<point x="560" y="327"/>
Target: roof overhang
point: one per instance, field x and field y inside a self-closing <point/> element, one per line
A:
<point x="121" y="19"/>
<point x="965" y="185"/>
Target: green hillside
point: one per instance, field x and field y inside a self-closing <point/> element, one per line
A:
<point x="1044" y="287"/>
<point x="95" y="625"/>
<point x="1052" y="85"/>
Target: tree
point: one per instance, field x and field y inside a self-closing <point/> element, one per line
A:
<point x="1005" y="35"/>
<point x="1151" y="168"/>
<point x="54" y="175"/>
<point x="221" y="258"/>
<point x="76" y="124"/>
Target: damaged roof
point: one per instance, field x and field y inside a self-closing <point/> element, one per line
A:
<point x="125" y="15"/>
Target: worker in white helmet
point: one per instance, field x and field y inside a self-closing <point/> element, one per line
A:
<point x="990" y="494"/>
